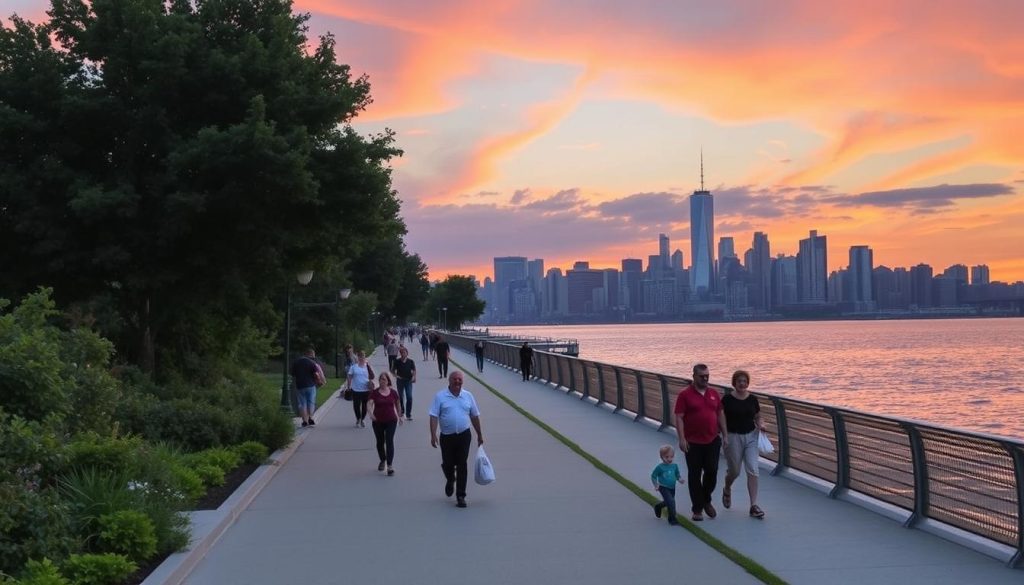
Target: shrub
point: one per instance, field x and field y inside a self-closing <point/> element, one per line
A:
<point x="251" y="452"/>
<point x="30" y="365"/>
<point x="30" y="452"/>
<point x="185" y="422"/>
<point x="41" y="573"/>
<point x="98" y="569"/>
<point x="128" y="532"/>
<point x="224" y="459"/>
<point x="189" y="482"/>
<point x="33" y="524"/>
<point x="103" y="453"/>
<point x="210" y="474"/>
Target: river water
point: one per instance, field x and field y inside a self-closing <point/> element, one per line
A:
<point x="964" y="373"/>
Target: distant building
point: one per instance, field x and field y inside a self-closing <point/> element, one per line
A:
<point x="812" y="269"/>
<point x="507" y="269"/>
<point x="944" y="289"/>
<point x="957" y="272"/>
<point x="702" y="240"/>
<point x="631" y="277"/>
<point x="979" y="274"/>
<point x="921" y="286"/>
<point x="760" y="269"/>
<point x="663" y="252"/>
<point x="556" y="294"/>
<point x="582" y="281"/>
<point x="860" y="279"/>
<point x="677" y="260"/>
<point x="784" y="282"/>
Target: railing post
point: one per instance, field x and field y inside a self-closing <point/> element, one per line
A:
<point x="1018" y="472"/>
<point x="618" y="389"/>
<point x="783" y="425"/>
<point x="572" y="376"/>
<point x="586" y="381"/>
<point x="641" y="407"/>
<point x="666" y="411"/>
<point x="919" y="460"/>
<point x="842" y="453"/>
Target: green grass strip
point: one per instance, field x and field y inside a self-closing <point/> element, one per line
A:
<point x="749" y="565"/>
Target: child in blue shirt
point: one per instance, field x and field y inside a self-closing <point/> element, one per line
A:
<point x="664" y="477"/>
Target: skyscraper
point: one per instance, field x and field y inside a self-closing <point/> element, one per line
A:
<point x="921" y="285"/>
<point x="979" y="274"/>
<point x="582" y="282"/>
<point x="726" y="247"/>
<point x="702" y="241"/>
<point x="812" y="269"/>
<point x="632" y="274"/>
<point x="861" y="278"/>
<point x="760" y="267"/>
<point x="663" y="253"/>
<point x="506" y="270"/>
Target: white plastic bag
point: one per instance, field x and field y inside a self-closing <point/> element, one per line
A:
<point x="484" y="472"/>
<point x="764" y="444"/>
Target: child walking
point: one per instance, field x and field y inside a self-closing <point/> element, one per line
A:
<point x="664" y="478"/>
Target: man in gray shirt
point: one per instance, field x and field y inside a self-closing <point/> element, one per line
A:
<point x="454" y="410"/>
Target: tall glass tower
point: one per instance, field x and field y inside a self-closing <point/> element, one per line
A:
<point x="702" y="238"/>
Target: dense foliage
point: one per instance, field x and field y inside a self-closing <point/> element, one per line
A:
<point x="169" y="165"/>
<point x="453" y="301"/>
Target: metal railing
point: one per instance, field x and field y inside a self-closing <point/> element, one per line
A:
<point x="972" y="481"/>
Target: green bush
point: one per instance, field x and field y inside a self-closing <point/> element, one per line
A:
<point x="41" y="573"/>
<point x="103" y="453"/>
<point x="92" y="494"/>
<point x="98" y="569"/>
<point x="222" y="458"/>
<point x="251" y="452"/>
<point x="211" y="474"/>
<point x="128" y="532"/>
<point x="30" y="365"/>
<point x="189" y="482"/>
<point x="30" y="452"/>
<point x="33" y="524"/>
<point x="191" y="424"/>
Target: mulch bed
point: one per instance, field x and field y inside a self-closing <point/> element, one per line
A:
<point x="211" y="501"/>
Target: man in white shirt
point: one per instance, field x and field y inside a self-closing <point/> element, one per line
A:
<point x="454" y="410"/>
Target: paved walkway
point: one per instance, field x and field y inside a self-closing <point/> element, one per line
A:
<point x="328" y="516"/>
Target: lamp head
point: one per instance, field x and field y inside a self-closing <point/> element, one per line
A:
<point x="344" y="293"/>
<point x="304" y="277"/>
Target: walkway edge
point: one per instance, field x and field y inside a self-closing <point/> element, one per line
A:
<point x="209" y="525"/>
<point x="746" y="563"/>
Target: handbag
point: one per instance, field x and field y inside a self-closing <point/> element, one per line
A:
<point x="484" y="471"/>
<point x="347" y="394"/>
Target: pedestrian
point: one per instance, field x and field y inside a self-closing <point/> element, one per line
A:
<point x="454" y="410"/>
<point x="360" y="381"/>
<point x="525" y="360"/>
<point x="478" y="349"/>
<point x="433" y="343"/>
<point x="700" y="424"/>
<point x="385" y="416"/>
<point x="442" y="350"/>
<point x="664" y="477"/>
<point x="743" y="421"/>
<point x="425" y="345"/>
<point x="307" y="376"/>
<point x="405" y="375"/>
<point x="393" y="347"/>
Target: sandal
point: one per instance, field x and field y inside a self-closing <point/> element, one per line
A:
<point x="727" y="497"/>
<point x="756" y="512"/>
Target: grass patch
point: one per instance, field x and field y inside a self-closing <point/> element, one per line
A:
<point x="748" y="564"/>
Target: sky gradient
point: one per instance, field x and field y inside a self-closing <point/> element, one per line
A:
<point x="572" y="130"/>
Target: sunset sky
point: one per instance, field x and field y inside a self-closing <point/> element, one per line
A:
<point x="572" y="130"/>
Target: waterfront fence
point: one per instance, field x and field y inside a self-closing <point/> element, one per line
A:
<point x="972" y="481"/>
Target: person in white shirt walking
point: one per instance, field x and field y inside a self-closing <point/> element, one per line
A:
<point x="453" y="411"/>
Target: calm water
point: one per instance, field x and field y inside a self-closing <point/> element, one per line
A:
<point x="966" y="373"/>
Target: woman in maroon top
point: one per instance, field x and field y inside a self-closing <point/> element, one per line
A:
<point x="385" y="416"/>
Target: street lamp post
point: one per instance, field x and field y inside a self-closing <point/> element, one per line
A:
<point x="445" y="321"/>
<point x="342" y="295"/>
<point x="302" y="278"/>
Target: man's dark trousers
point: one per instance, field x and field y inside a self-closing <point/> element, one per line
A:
<point x="442" y="365"/>
<point x="454" y="454"/>
<point x="702" y="472"/>
<point x="526" y="366"/>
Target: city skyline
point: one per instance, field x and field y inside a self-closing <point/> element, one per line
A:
<point x="578" y="127"/>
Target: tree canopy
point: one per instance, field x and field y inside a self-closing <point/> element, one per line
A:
<point x="453" y="302"/>
<point x="170" y="165"/>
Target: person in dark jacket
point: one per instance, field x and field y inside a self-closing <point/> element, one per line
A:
<point x="526" y="360"/>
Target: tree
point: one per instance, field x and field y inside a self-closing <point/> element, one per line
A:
<point x="171" y="164"/>
<point x="457" y="294"/>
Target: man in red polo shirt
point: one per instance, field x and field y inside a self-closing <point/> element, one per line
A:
<point x="700" y="423"/>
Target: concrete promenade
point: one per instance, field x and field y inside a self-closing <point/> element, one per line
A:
<point x="328" y="515"/>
